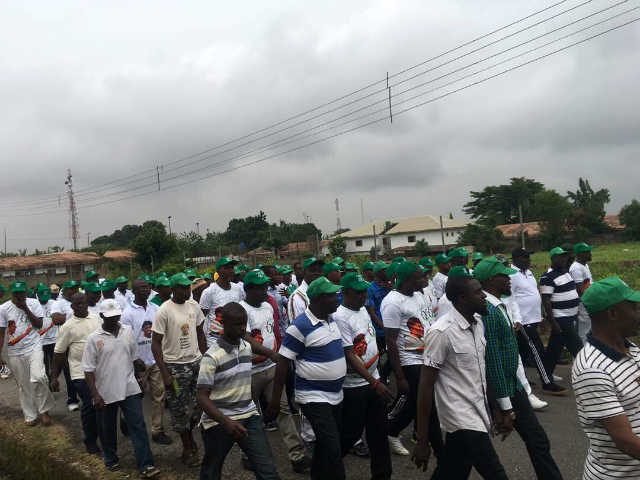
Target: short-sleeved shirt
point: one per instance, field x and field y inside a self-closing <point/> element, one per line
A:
<point x="123" y="299"/>
<point x="110" y="358"/>
<point x="581" y="274"/>
<point x="439" y="282"/>
<point x="225" y="370"/>
<point x="315" y="346"/>
<point x="606" y="384"/>
<point x="22" y="337"/>
<point x="177" y="323"/>
<point x="63" y="306"/>
<point x="456" y="348"/>
<point x="213" y="298"/>
<point x="358" y="333"/>
<point x="524" y="290"/>
<point x="562" y="288"/>
<point x="72" y="336"/>
<point x="413" y="316"/>
<point x="260" y="325"/>
<point x="49" y="331"/>
<point x="135" y="316"/>
<point x="298" y="302"/>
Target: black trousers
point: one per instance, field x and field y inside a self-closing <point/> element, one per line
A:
<point x="326" y="421"/>
<point x="466" y="449"/>
<point x="535" y="438"/>
<point x="72" y="394"/>
<point x="568" y="337"/>
<point x="363" y="408"/>
<point x="532" y="351"/>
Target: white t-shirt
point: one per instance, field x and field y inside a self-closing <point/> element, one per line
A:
<point x="260" y="327"/>
<point x="123" y="299"/>
<point x="135" y="316"/>
<point x="580" y="274"/>
<point x="298" y="302"/>
<point x="444" y="306"/>
<point x="22" y="337"/>
<point x="72" y="336"/>
<point x="357" y="332"/>
<point x="439" y="282"/>
<point x="49" y="330"/>
<point x="177" y="324"/>
<point x="62" y="305"/>
<point x="524" y="291"/>
<point x="413" y="317"/>
<point x="213" y="298"/>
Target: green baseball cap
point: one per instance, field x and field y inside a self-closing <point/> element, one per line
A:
<point x="459" y="271"/>
<point x="44" y="295"/>
<point x="459" y="252"/>
<point x="403" y="271"/>
<point x="207" y="276"/>
<point x="441" y="259"/>
<point x="368" y="265"/>
<point x="313" y="260"/>
<point x="255" y="277"/>
<point x="190" y="273"/>
<point x="121" y="279"/>
<point x="108" y="285"/>
<point x="608" y="292"/>
<point x="354" y="281"/>
<point x="180" y="279"/>
<point x="582" y="248"/>
<point x="41" y="287"/>
<point x="380" y="265"/>
<point x="238" y="270"/>
<point x="338" y="260"/>
<point x="145" y="277"/>
<point x="557" y="251"/>
<point x="91" y="274"/>
<point x="426" y="262"/>
<point x="163" y="281"/>
<point x="92" y="287"/>
<point x="321" y="286"/>
<point x="350" y="267"/>
<point x="70" y="284"/>
<point x="330" y="267"/>
<point x="398" y="260"/>
<point x="489" y="268"/>
<point x="18" y="286"/>
<point x="286" y="269"/>
<point x="225" y="261"/>
<point x="477" y="256"/>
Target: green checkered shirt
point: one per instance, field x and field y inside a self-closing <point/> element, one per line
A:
<point x="501" y="357"/>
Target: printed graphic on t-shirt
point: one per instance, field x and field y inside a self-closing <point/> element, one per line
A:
<point x="185" y="338"/>
<point x="415" y="339"/>
<point x="216" y="328"/>
<point x="15" y="337"/>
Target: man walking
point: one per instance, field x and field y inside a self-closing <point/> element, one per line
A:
<point x="581" y="274"/>
<point x="440" y="278"/>
<point x="20" y="320"/>
<point x="122" y="294"/>
<point x="107" y="362"/>
<point x="299" y="301"/>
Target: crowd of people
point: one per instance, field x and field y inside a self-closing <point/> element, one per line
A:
<point x="337" y="358"/>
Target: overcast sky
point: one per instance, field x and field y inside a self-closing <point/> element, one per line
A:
<point x="111" y="89"/>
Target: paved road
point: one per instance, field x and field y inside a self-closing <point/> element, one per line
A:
<point x="567" y="441"/>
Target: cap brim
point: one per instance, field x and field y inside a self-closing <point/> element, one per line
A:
<point x="634" y="296"/>
<point x="181" y="284"/>
<point x="360" y="287"/>
<point x="507" y="271"/>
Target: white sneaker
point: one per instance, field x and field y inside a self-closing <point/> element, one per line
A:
<point x="73" y="407"/>
<point x="536" y="403"/>
<point x="5" y="372"/>
<point x="396" y="447"/>
<point x="556" y="378"/>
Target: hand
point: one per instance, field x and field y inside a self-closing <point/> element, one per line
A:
<point x="274" y="356"/>
<point x="421" y="454"/>
<point x="235" y="429"/>
<point x="382" y="390"/>
<point x="98" y="402"/>
<point x="168" y="381"/>
<point x="517" y="326"/>
<point x="504" y="423"/>
<point x="272" y="411"/>
<point x="403" y="386"/>
<point x="55" y="385"/>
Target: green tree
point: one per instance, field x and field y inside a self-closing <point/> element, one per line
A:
<point x="338" y="246"/>
<point x="499" y="204"/>
<point x="421" y="248"/>
<point x="588" y="209"/>
<point x="483" y="237"/>
<point x="630" y="218"/>
<point x="152" y="244"/>
<point x="553" y="211"/>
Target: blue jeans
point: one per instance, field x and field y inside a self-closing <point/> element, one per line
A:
<point x="217" y="443"/>
<point x="90" y="427"/>
<point x="132" y="411"/>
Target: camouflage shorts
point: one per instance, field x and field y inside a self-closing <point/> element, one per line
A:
<point x="181" y="396"/>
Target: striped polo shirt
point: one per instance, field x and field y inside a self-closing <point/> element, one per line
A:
<point x="564" y="296"/>
<point x="606" y="384"/>
<point x="315" y="346"/>
<point x="225" y="370"/>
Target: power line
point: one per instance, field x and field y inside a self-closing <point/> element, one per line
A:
<point x="110" y="184"/>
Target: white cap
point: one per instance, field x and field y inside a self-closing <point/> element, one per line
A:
<point x="110" y="307"/>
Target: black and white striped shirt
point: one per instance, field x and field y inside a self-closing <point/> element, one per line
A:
<point x="562" y="288"/>
<point x="606" y="384"/>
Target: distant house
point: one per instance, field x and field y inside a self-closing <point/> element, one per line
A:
<point x="403" y="233"/>
<point x="49" y="266"/>
<point x="511" y="231"/>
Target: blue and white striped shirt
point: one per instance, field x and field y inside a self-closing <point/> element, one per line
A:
<point x="315" y="346"/>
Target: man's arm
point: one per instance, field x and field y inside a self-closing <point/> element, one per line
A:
<point x="424" y="405"/>
<point x="495" y="372"/>
<point x="620" y="430"/>
<point x="260" y="349"/>
<point x="356" y="363"/>
<point x="97" y="400"/>
<point x="233" y="428"/>
<point x="391" y="336"/>
<point x="282" y="369"/>
<point x="156" y="349"/>
<point x="202" y="339"/>
<point x="548" y="310"/>
<point x="34" y="319"/>
<point x="2" y="329"/>
<point x="374" y="316"/>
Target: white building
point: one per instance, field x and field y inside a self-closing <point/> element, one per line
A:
<point x="404" y="233"/>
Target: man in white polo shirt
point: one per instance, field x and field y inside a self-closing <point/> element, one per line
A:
<point x="107" y="362"/>
<point x="299" y="301"/>
<point x="605" y="381"/>
<point x="20" y="320"/>
<point x="581" y="274"/>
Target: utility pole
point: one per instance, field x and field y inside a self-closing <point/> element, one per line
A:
<point x="88" y="239"/>
<point x="375" y="244"/>
<point x="361" y="211"/>
<point x="338" y="223"/>
<point x="73" y="210"/>
<point x="442" y="233"/>
<point x="198" y="228"/>
<point x="5" y="242"/>
<point x="169" y="218"/>
<point x="521" y="225"/>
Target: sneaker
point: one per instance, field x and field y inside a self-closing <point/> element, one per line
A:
<point x="396" y="447"/>
<point x="149" y="472"/>
<point x="161" y="438"/>
<point x="553" y="389"/>
<point x="536" y="403"/>
<point x="113" y="467"/>
<point x="301" y="466"/>
<point x="73" y="407"/>
<point x="31" y="423"/>
<point x="271" y="426"/>
<point x="556" y="378"/>
<point x="5" y="372"/>
<point x="360" y="449"/>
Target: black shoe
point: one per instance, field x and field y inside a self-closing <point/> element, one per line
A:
<point x="301" y="466"/>
<point x="114" y="468"/>
<point x="93" y="449"/>
<point x="161" y="438"/>
<point x="554" y="389"/>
